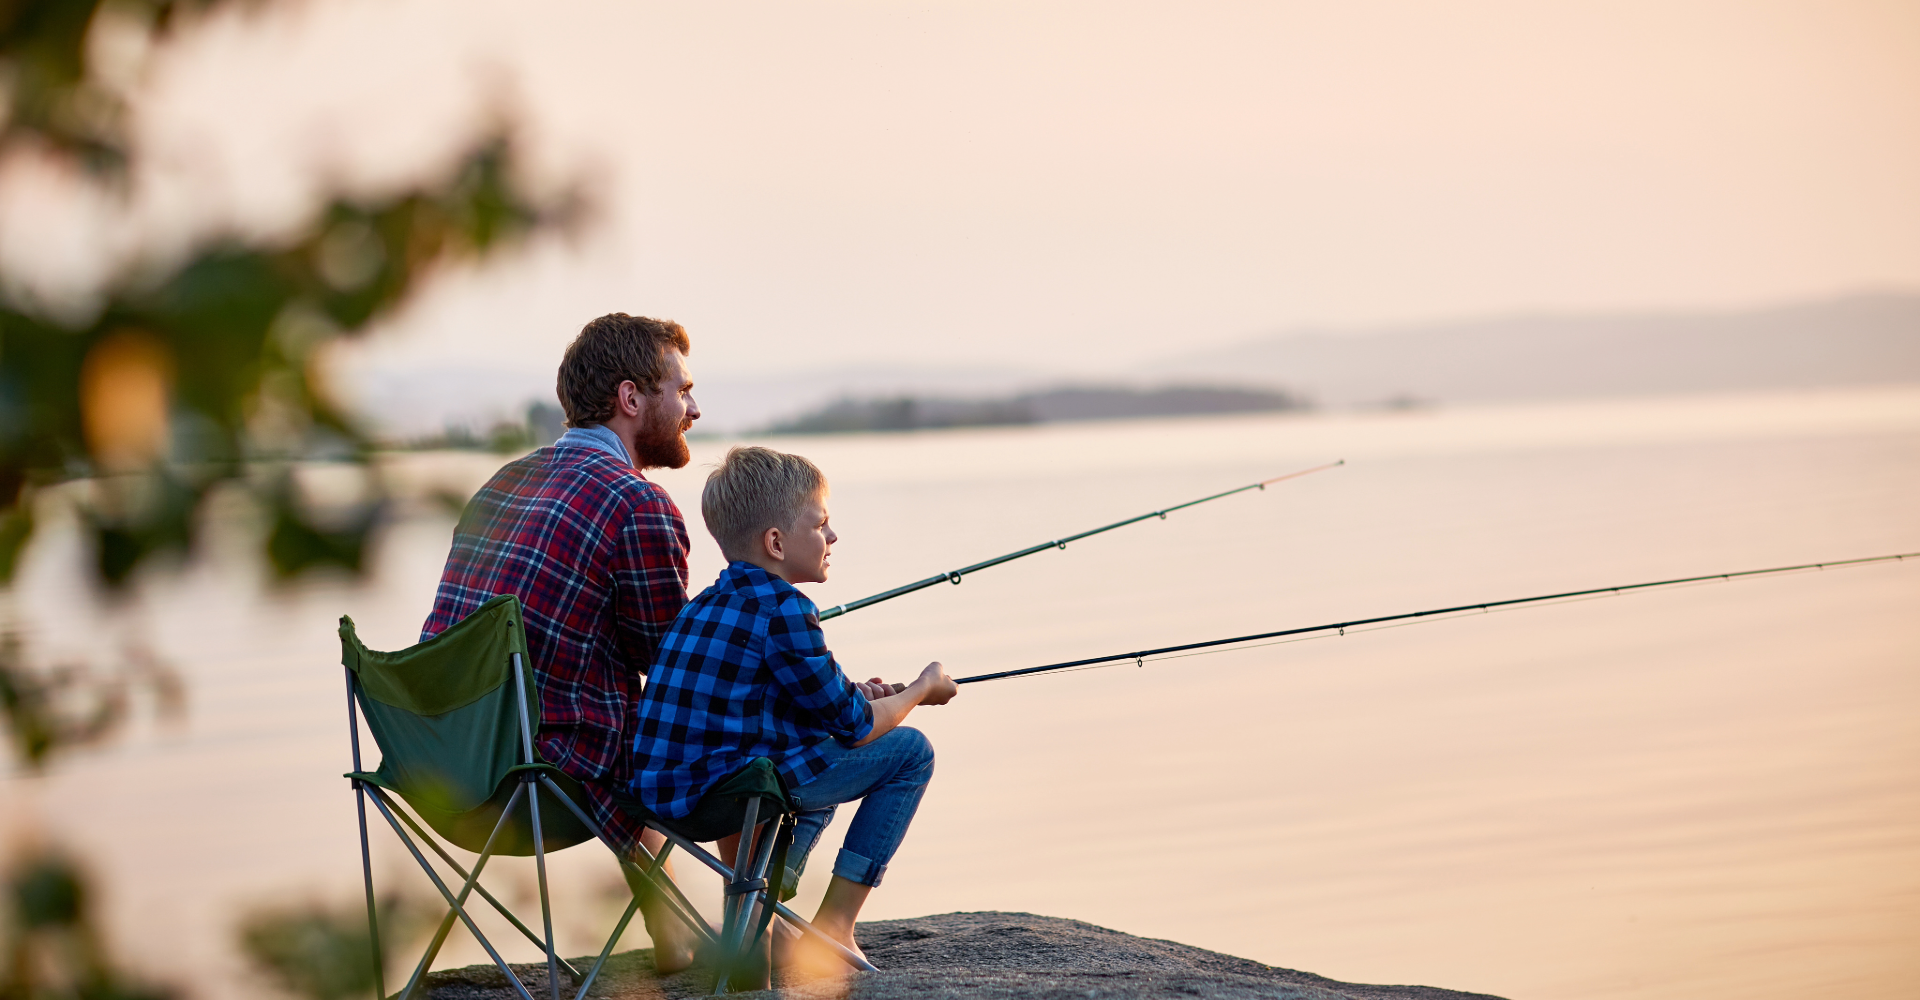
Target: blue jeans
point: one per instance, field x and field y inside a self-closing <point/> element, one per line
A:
<point x="888" y="776"/>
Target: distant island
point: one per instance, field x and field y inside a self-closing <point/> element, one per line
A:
<point x="903" y="412"/>
<point x="1854" y="340"/>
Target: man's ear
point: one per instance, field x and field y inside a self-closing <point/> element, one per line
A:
<point x="628" y="399"/>
<point x="774" y="545"/>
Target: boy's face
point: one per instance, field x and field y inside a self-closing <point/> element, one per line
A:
<point x="806" y="545"/>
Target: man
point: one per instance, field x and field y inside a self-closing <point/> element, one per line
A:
<point x="597" y="556"/>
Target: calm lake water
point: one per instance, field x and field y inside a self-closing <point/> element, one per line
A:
<point x="1710" y="792"/>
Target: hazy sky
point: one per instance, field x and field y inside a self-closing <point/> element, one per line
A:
<point x="1080" y="186"/>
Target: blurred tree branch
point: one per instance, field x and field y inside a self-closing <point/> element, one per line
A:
<point x="190" y="378"/>
<point x="206" y="375"/>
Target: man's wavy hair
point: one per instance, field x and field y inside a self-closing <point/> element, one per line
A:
<point x="610" y="350"/>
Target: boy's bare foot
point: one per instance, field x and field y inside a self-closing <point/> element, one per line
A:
<point x="667" y="961"/>
<point x="805" y="957"/>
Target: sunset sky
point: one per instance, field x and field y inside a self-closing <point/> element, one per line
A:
<point x="1077" y="187"/>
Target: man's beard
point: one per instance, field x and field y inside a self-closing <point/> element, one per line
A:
<point x="662" y="445"/>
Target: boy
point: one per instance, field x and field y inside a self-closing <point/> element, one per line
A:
<point x="744" y="672"/>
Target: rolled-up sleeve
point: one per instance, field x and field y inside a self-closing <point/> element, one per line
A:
<point x="809" y="676"/>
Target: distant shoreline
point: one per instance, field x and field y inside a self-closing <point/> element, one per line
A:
<point x="907" y="412"/>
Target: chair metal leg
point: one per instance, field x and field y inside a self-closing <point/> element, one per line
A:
<point x="366" y="853"/>
<point x="498" y="906"/>
<point x="785" y="912"/>
<point x="734" y="908"/>
<point x="447" y="894"/>
<point x="446" y="923"/>
<point x="373" y="917"/>
<point x="699" y="853"/>
<point x="782" y="840"/>
<point x="633" y="907"/>
<point x="546" y="911"/>
<point x="533" y="801"/>
<point x="676" y="900"/>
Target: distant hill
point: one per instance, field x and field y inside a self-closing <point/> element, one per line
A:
<point x="1864" y="339"/>
<point x="1857" y="340"/>
<point x="907" y="412"/>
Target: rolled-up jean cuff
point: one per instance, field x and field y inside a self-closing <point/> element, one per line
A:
<point x="854" y="868"/>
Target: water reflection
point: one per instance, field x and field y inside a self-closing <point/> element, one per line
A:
<point x="1707" y="792"/>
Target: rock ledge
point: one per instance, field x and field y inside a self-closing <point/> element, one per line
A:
<point x="1002" y="956"/>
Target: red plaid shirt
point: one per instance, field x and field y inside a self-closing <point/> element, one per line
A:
<point x="598" y="557"/>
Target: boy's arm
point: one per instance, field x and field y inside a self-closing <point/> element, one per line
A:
<point x="805" y="672"/>
<point x="933" y="687"/>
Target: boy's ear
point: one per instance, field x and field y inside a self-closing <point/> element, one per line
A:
<point x="773" y="544"/>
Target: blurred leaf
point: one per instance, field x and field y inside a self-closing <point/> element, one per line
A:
<point x="232" y="331"/>
<point x="50" y="709"/>
<point x="148" y="514"/>
<point x="52" y="949"/>
<point x="16" y="526"/>
<point x="245" y="324"/>
<point x="47" y="893"/>
<point x="326" y="952"/>
<point x="56" y="98"/>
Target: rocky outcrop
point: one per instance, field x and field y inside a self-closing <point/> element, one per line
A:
<point x="1002" y="956"/>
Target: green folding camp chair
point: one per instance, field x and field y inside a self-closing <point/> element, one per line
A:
<point x="454" y="718"/>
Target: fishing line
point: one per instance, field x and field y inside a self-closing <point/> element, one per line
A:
<point x="954" y="576"/>
<point x="1609" y="595"/>
<point x="1144" y="656"/>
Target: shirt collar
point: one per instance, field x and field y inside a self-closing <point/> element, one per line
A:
<point x="748" y="572"/>
<point x="747" y="575"/>
<point x="596" y="436"/>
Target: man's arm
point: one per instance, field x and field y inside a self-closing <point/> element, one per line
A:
<point x="933" y="687"/>
<point x="650" y="579"/>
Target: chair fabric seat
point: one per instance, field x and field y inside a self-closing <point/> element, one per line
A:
<point x="723" y="809"/>
<point x="469" y="829"/>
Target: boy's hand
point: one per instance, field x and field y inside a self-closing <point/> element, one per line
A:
<point x="936" y="687"/>
<point x="877" y="689"/>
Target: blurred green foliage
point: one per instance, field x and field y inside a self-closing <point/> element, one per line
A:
<point x="229" y="340"/>
<point x="205" y="375"/>
<point x="53" y="709"/>
<point x="186" y="380"/>
<point x="323" y="952"/>
<point x="52" y="948"/>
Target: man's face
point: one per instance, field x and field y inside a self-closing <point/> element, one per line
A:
<point x="667" y="415"/>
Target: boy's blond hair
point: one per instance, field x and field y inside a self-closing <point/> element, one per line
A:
<point x="754" y="489"/>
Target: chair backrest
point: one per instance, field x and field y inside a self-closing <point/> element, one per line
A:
<point x="444" y="712"/>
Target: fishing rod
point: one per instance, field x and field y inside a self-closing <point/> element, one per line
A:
<point x="1140" y="655"/>
<point x="954" y="576"/>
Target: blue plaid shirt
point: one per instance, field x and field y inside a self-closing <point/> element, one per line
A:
<point x="744" y="672"/>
